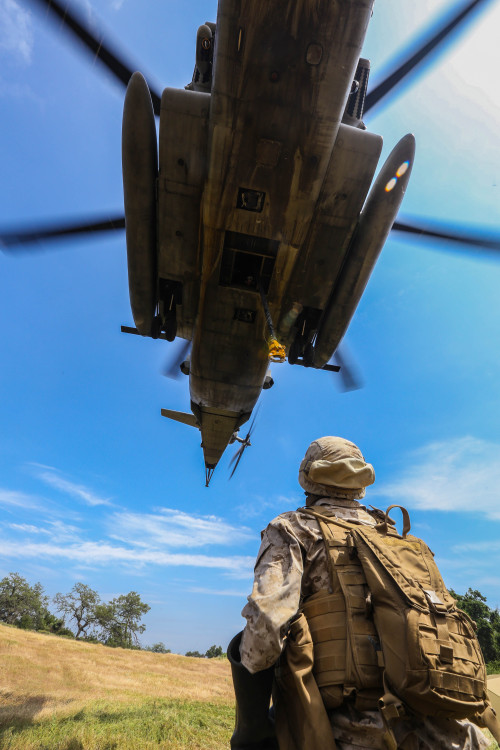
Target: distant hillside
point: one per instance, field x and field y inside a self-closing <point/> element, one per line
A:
<point x="74" y="690"/>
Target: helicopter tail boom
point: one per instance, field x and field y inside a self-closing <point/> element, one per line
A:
<point x="217" y="427"/>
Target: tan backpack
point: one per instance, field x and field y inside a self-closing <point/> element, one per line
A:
<point x="427" y="650"/>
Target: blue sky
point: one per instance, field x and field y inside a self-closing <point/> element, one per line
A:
<point x="95" y="485"/>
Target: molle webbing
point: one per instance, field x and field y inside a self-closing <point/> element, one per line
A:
<point x="347" y="655"/>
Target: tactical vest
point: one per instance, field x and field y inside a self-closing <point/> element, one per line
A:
<point x="346" y="642"/>
<point x="389" y="634"/>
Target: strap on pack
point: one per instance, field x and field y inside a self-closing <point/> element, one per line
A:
<point x="390" y="708"/>
<point x="384" y="525"/>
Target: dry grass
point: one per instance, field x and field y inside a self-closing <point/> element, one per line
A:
<point x="59" y="694"/>
<point x="45" y="675"/>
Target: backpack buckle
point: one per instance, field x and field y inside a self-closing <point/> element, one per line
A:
<point x="435" y="603"/>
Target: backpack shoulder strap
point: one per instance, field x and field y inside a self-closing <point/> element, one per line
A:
<point x="331" y="540"/>
<point x="324" y="518"/>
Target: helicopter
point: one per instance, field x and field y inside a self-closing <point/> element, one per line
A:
<point x="253" y="236"/>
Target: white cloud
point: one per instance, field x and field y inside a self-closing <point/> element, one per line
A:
<point x="71" y="488"/>
<point x="133" y="541"/>
<point x="27" y="528"/>
<point x="103" y="553"/>
<point x="58" y="531"/>
<point x="63" y="532"/>
<point x="18" y="500"/>
<point x="267" y="507"/>
<point x="493" y="546"/>
<point x="460" y="475"/>
<point x="42" y="466"/>
<point x="218" y="592"/>
<point x="174" y="528"/>
<point x="16" y="32"/>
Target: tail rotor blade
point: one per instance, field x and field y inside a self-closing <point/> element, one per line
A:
<point x="245" y="444"/>
<point x="251" y="428"/>
<point x="237" y="457"/>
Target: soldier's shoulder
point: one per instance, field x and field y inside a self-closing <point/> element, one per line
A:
<point x="289" y="516"/>
<point x="294" y="523"/>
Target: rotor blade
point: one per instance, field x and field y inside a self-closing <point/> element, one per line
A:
<point x="174" y="371"/>
<point x="475" y="241"/>
<point x="237" y="455"/>
<point x="101" y="50"/>
<point x="11" y="239"/>
<point x="246" y="444"/>
<point x="252" y="425"/>
<point x="387" y="85"/>
<point x="349" y="374"/>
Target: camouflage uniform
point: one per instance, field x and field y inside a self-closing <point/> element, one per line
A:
<point x="291" y="566"/>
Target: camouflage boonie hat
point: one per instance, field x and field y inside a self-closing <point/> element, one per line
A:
<point x="335" y="467"/>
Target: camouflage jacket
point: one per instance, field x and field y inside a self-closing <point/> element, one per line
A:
<point x="291" y="565"/>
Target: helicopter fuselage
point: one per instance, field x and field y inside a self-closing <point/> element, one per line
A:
<point x="264" y="167"/>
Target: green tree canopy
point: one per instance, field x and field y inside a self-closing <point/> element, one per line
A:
<point x="486" y="619"/>
<point x="79" y="605"/>
<point x="159" y="648"/>
<point x="120" y="620"/>
<point x="21" y="604"/>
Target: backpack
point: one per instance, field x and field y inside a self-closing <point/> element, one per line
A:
<point x="426" y="648"/>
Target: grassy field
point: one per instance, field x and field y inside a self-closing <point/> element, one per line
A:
<point x="59" y="694"/>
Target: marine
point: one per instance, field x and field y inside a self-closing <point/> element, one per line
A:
<point x="293" y="571"/>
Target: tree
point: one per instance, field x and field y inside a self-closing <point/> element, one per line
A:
<point x="80" y="605"/>
<point x="21" y="604"/>
<point x="52" y="624"/>
<point x="210" y="653"/>
<point x="486" y="619"/>
<point x="120" y="620"/>
<point x="159" y="648"/>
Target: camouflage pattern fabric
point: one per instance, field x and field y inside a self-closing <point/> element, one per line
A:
<point x="291" y="565"/>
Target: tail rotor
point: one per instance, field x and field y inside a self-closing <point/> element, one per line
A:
<point x="244" y="443"/>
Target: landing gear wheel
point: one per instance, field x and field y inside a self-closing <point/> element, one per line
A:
<point x="156" y="327"/>
<point x="170" y="328"/>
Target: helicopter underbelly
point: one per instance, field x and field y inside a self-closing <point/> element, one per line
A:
<point x="279" y="92"/>
<point x="229" y="358"/>
<point x="278" y="95"/>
